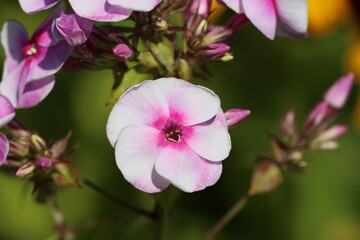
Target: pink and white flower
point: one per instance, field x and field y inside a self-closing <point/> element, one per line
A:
<point x="6" y="114"/>
<point x="169" y="131"/>
<point x="97" y="10"/>
<point x="282" y="17"/>
<point x="30" y="64"/>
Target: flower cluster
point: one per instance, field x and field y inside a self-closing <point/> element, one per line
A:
<point x="318" y="133"/>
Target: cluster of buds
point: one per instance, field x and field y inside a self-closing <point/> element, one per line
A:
<point x="30" y="157"/>
<point x="319" y="132"/>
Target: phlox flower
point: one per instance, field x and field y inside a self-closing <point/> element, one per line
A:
<point x="6" y="114"/>
<point x="169" y="131"/>
<point x="30" y="64"/>
<point x="271" y="17"/>
<point x="97" y="10"/>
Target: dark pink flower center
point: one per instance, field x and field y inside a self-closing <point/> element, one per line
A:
<point x="172" y="131"/>
<point x="29" y="50"/>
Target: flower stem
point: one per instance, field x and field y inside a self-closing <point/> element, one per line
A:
<point x="66" y="232"/>
<point x="229" y="215"/>
<point x="117" y="200"/>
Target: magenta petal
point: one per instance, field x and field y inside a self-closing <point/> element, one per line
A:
<point x="262" y="14"/>
<point x="143" y="104"/>
<point x="43" y="35"/>
<point x="35" y="92"/>
<point x="99" y="10"/>
<point x="49" y="60"/>
<point x="34" y="6"/>
<point x="7" y="111"/>
<point x="338" y="93"/>
<point x="13" y="38"/>
<point x="211" y="139"/>
<point x="190" y="104"/>
<point x="136" y="154"/>
<point x="73" y="28"/>
<point x="4" y="148"/>
<point x="187" y="170"/>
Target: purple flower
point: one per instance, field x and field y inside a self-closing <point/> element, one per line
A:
<point x="169" y="131"/>
<point x="6" y="114"/>
<point x="282" y="17"/>
<point x="122" y="52"/>
<point x="31" y="63"/>
<point x="73" y="28"/>
<point x="97" y="10"/>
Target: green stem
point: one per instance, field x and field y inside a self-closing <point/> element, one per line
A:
<point x="117" y="200"/>
<point x="229" y="215"/>
<point x="65" y="232"/>
<point x="160" y="221"/>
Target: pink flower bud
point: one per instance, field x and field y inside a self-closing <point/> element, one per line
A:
<point x="288" y="123"/>
<point x="236" y="22"/>
<point x="122" y="52"/>
<point x="235" y="116"/>
<point x="331" y="133"/>
<point x="338" y="93"/>
<point x="73" y="28"/>
<point x="43" y="163"/>
<point x="215" y="50"/>
<point x="26" y="170"/>
<point x="199" y="7"/>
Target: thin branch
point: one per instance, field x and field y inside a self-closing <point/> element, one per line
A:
<point x="117" y="200"/>
<point x="229" y="215"/>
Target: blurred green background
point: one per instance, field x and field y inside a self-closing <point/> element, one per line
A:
<point x="267" y="77"/>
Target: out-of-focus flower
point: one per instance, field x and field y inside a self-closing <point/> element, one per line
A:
<point x="6" y="114"/>
<point x="169" y="131"/>
<point x="236" y="116"/>
<point x="73" y="28"/>
<point x="30" y="64"/>
<point x="325" y="14"/>
<point x="97" y="10"/>
<point x="122" y="52"/>
<point x="271" y="17"/>
<point x="333" y="100"/>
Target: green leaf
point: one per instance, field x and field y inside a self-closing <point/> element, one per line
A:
<point x="132" y="77"/>
<point x="163" y="51"/>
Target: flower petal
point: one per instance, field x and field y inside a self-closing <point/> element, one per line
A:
<point x="49" y="60"/>
<point x="99" y="10"/>
<point x="190" y="104"/>
<point x="262" y="14"/>
<point x="35" y="92"/>
<point x="43" y="35"/>
<point x="13" y="38"/>
<point x="235" y="5"/>
<point x="211" y="139"/>
<point x="4" y="148"/>
<point x="12" y="82"/>
<point x="143" y="104"/>
<point x="7" y="111"/>
<point x="35" y="6"/>
<point x="338" y="93"/>
<point x="142" y="6"/>
<point x="185" y="169"/>
<point x="136" y="152"/>
<point x="293" y="17"/>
